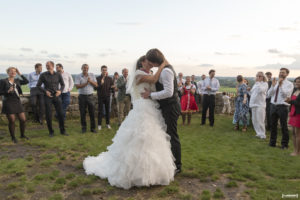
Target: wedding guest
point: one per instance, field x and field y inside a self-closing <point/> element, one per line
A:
<point x="105" y="84"/>
<point x="180" y="83"/>
<point x="180" y="80"/>
<point x="85" y="83"/>
<point x="226" y="102"/>
<point x="36" y="95"/>
<point x="268" y="101"/>
<point x="53" y="87"/>
<point x="11" y="90"/>
<point x="248" y="89"/>
<point x="241" y="104"/>
<point x="295" y="116"/>
<point x="279" y="91"/>
<point x="210" y="86"/>
<point x="188" y="103"/>
<point x="196" y="95"/>
<point x="258" y="104"/>
<point x="199" y="87"/>
<point x="123" y="98"/>
<point x="69" y="84"/>
<point x="115" y="91"/>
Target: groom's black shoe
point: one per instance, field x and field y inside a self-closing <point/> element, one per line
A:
<point x="177" y="171"/>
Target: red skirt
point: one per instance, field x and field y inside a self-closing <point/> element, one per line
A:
<point x="294" y="119"/>
<point x="188" y="103"/>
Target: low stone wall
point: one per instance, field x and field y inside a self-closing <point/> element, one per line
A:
<point x="73" y="109"/>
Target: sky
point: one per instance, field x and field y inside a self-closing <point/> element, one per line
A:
<point x="231" y="36"/>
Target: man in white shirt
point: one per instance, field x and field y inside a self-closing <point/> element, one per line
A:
<point x="167" y="96"/>
<point x="279" y="92"/>
<point x="209" y="88"/>
<point x="69" y="84"/>
<point x="199" y="88"/>
<point x="36" y="95"/>
<point x="85" y="82"/>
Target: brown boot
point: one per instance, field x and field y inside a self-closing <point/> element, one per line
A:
<point x="183" y="118"/>
<point x="189" y="118"/>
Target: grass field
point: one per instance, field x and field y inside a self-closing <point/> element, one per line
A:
<point x="218" y="163"/>
<point x="227" y="89"/>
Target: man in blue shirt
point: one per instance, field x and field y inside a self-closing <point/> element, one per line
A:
<point x="36" y="95"/>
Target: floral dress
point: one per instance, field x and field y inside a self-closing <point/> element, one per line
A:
<point x="241" y="110"/>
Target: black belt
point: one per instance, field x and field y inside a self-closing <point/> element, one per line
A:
<point x="86" y="95"/>
<point x="280" y="105"/>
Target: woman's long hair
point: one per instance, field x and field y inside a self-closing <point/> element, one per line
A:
<point x="139" y="64"/>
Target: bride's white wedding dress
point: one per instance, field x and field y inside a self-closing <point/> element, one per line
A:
<point x="140" y="154"/>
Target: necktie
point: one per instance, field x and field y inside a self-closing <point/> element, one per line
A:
<point x="276" y="94"/>
<point x="210" y="83"/>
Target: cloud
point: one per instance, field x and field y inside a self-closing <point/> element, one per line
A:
<point x="103" y="54"/>
<point x="275" y="51"/>
<point x="129" y="23"/>
<point x="44" y="52"/>
<point x="286" y="28"/>
<point x="111" y="52"/>
<point x="294" y="65"/>
<point x="226" y="54"/>
<point x="21" y="58"/>
<point x="82" y="55"/>
<point x="26" y="49"/>
<point x="205" y="65"/>
<point x="53" y="55"/>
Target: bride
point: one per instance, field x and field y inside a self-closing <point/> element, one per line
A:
<point x="140" y="154"/>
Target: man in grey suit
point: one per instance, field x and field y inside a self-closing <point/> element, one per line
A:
<point x="124" y="100"/>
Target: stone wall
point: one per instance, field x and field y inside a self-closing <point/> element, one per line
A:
<point x="73" y="109"/>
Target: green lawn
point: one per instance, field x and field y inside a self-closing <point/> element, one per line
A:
<point x="227" y="89"/>
<point x="218" y="163"/>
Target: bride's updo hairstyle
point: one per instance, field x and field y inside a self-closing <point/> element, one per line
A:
<point x="139" y="62"/>
<point x="155" y="56"/>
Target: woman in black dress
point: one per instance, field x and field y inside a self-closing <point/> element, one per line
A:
<point x="11" y="90"/>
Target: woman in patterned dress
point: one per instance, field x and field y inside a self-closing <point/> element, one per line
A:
<point x="241" y="104"/>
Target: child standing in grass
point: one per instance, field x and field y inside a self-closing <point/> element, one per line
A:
<point x="226" y="101"/>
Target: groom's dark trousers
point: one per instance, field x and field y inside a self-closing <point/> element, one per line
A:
<point x="171" y="110"/>
<point x="171" y="114"/>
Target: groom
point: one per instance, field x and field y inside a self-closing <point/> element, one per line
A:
<point x="167" y="96"/>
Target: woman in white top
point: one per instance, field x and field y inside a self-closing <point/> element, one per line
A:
<point x="258" y="104"/>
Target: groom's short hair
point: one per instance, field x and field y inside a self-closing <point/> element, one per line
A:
<point x="155" y="56"/>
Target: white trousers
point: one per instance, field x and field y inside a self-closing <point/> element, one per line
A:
<point x="258" y="121"/>
<point x="226" y="108"/>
